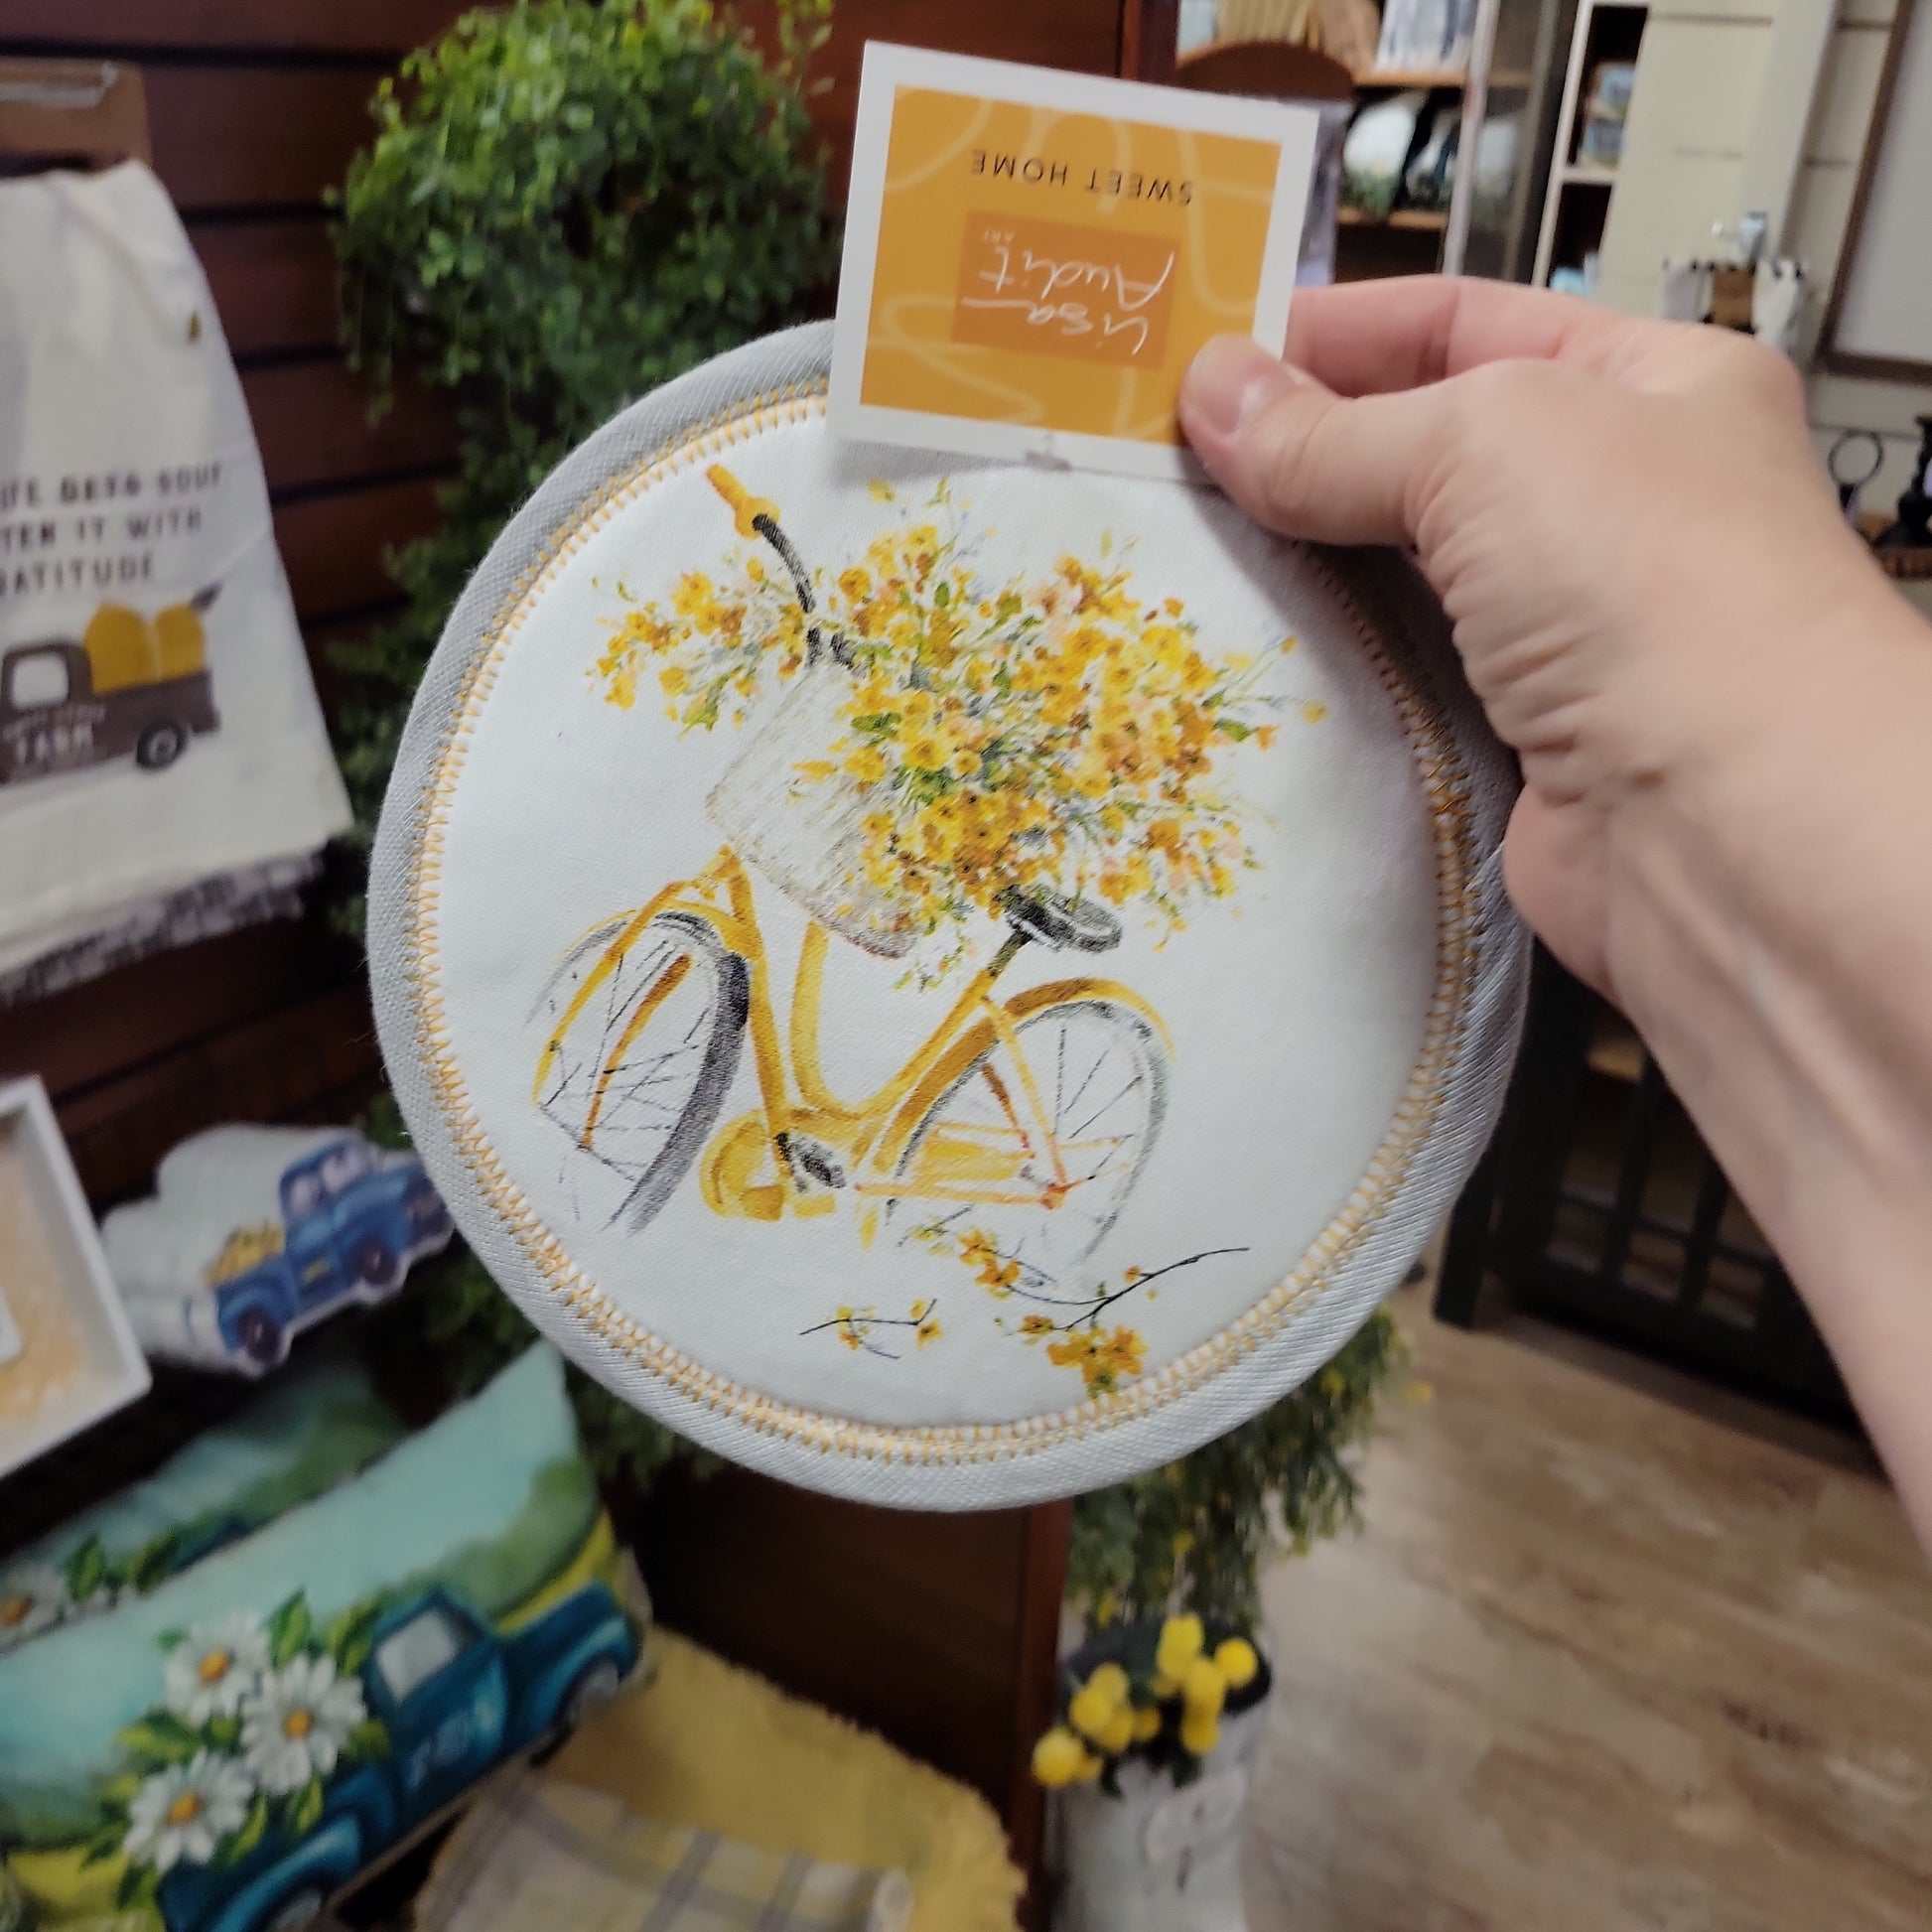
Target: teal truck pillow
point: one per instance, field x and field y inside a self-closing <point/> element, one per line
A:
<point x="224" y="1753"/>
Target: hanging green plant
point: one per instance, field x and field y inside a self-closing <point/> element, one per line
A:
<point x="565" y="206"/>
<point x="1192" y="1537"/>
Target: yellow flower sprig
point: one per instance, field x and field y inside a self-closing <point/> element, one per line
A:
<point x="858" y="1327"/>
<point x="1189" y="1688"/>
<point x="710" y="651"/>
<point x="1106" y="1357"/>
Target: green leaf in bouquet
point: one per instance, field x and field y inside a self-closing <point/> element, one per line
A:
<point x="158" y="1738"/>
<point x="370" y="1740"/>
<point x="289" y="1629"/>
<point x="104" y="1844"/>
<point x="305" y="1809"/>
<point x="246" y="1837"/>
<point x="222" y="1733"/>
<point x="137" y="1888"/>
<point x="349" y="1636"/>
<point x="154" y="1561"/>
<point x="86" y="1570"/>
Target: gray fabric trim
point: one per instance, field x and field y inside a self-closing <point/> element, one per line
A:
<point x="1416" y="638"/>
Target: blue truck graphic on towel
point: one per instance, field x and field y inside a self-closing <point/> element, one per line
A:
<point x="457" y="1699"/>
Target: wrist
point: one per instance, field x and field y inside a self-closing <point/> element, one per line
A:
<point x="1767" y="932"/>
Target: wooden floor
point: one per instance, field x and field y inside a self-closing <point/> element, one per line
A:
<point x="1596" y="1661"/>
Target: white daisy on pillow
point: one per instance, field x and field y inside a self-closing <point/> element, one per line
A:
<point x="214" y="1667"/>
<point x="295" y="1725"/>
<point x="33" y="1598"/>
<point x="181" y="1814"/>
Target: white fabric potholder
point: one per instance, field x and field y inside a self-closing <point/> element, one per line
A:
<point x="976" y="1037"/>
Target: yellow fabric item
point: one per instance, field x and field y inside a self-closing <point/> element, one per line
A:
<point x="709" y="1746"/>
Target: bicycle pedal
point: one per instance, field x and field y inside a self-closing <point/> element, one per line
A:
<point x="814" y="1159"/>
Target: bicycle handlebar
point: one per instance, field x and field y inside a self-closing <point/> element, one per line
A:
<point x="746" y="508"/>
<point x="758" y="516"/>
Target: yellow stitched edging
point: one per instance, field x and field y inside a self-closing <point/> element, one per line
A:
<point x="1445" y="784"/>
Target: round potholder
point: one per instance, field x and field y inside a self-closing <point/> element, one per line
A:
<point x="947" y="982"/>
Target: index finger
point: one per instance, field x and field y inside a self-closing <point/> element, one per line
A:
<point x="1366" y="338"/>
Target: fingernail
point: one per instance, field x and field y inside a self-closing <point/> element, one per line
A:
<point x="1231" y="378"/>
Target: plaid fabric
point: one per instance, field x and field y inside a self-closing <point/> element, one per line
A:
<point x="540" y="1854"/>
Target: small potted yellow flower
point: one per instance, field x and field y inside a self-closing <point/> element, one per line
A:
<point x="1150" y="1760"/>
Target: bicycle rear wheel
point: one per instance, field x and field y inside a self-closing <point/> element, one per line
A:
<point x="642" y="1038"/>
<point x="1044" y="1146"/>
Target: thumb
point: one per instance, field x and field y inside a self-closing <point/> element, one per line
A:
<point x="1302" y="460"/>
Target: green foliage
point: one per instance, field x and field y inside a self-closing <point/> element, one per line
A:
<point x="454" y="1315"/>
<point x="159" y="1738"/>
<point x="351" y="1636"/>
<point x="1192" y="1536"/>
<point x="289" y="1631"/>
<point x="565" y="206"/>
<point x="253" y="1829"/>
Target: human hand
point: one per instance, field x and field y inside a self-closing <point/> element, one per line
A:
<point x="1720" y="711"/>
<point x="1624" y="520"/>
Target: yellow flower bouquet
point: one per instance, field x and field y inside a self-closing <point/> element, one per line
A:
<point x="1155" y="1690"/>
<point x="1064" y="733"/>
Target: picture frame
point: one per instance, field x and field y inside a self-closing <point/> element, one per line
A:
<point x="1838" y="353"/>
<point x="70" y="1356"/>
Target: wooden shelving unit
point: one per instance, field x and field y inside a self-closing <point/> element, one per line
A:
<point x="1577" y="205"/>
<point x="1395" y="79"/>
<point x="1407" y="239"/>
<point x="1429" y="220"/>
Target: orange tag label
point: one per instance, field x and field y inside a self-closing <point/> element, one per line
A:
<point x="1032" y="258"/>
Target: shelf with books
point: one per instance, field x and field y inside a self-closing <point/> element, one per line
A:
<point x="1431" y="80"/>
<point x="1596" y="89"/>
<point x="1396" y="80"/>
<point x="1423" y="220"/>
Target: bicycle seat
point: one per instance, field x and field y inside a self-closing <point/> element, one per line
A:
<point x="1062" y="920"/>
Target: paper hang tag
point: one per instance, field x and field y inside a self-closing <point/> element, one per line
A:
<point x="1032" y="258"/>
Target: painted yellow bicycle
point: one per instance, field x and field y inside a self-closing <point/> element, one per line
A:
<point x="1027" y="1118"/>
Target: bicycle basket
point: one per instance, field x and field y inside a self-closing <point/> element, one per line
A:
<point x="801" y="824"/>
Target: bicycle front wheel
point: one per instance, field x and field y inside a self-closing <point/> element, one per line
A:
<point x="1035" y="1145"/>
<point x="641" y="1034"/>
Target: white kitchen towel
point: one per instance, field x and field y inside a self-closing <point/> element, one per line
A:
<point x="157" y="724"/>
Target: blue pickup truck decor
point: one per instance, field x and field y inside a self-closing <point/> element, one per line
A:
<point x="256" y="1233"/>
